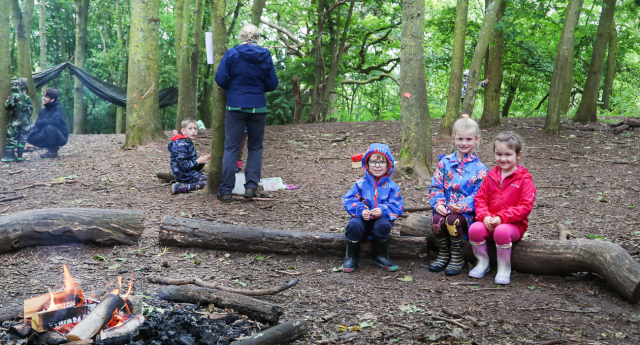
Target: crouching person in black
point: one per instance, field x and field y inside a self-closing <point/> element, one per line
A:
<point x="49" y="131"/>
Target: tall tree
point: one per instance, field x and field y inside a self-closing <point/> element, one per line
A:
<point x="42" y="29"/>
<point x="5" y="69"/>
<point x="183" y="16"/>
<point x="457" y="67"/>
<point x="416" y="149"/>
<point x="82" y="18"/>
<point x="121" y="121"/>
<point x="479" y="54"/>
<point x="195" y="56"/>
<point x="588" y="108"/>
<point x="561" y="80"/>
<point x="219" y="30"/>
<point x="611" y="68"/>
<point x="256" y="11"/>
<point x="68" y="116"/>
<point x="493" y="69"/>
<point x="143" y="122"/>
<point x="22" y="26"/>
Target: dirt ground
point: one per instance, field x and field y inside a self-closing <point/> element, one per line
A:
<point x="588" y="180"/>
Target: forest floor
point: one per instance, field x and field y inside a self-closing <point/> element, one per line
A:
<point x="587" y="180"/>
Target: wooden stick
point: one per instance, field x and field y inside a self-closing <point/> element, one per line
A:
<point x="291" y="273"/>
<point x="48" y="184"/>
<point x="129" y="327"/>
<point x="12" y="198"/>
<point x="400" y="325"/>
<point x="196" y="281"/>
<point x="450" y="321"/>
<point x="419" y="208"/>
<point x="285" y="333"/>
<point x="15" y="172"/>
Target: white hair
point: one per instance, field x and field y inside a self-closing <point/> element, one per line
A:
<point x="249" y="32"/>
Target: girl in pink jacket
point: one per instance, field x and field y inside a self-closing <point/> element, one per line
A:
<point x="503" y="205"/>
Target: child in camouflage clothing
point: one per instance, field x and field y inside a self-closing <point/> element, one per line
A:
<point x="20" y="107"/>
<point x="185" y="163"/>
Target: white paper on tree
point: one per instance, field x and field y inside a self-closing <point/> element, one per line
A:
<point x="208" y="40"/>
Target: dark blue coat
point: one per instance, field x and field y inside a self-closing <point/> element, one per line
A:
<point x="51" y="114"/>
<point x="246" y="71"/>
<point x="184" y="160"/>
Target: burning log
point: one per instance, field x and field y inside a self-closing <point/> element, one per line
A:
<point x="547" y="257"/>
<point x="184" y="232"/>
<point x="196" y="281"/>
<point x="63" y="299"/>
<point x="46" y="320"/>
<point x="254" y="308"/>
<point x="97" y="318"/>
<point x="129" y="328"/>
<point x="285" y="333"/>
<point x="69" y="225"/>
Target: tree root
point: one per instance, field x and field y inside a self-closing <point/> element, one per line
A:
<point x="196" y="281"/>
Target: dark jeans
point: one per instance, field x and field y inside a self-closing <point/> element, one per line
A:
<point x="49" y="137"/>
<point x="454" y="224"/>
<point x="234" y="125"/>
<point x="358" y="228"/>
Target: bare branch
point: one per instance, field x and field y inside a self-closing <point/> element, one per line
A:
<point x="282" y="30"/>
<point x="370" y="80"/>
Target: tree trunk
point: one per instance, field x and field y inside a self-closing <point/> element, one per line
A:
<point x="204" y="108"/>
<point x="563" y="69"/>
<point x="284" y="333"/>
<point x="68" y="115"/>
<point x="82" y="18"/>
<point x="416" y="149"/>
<point x="298" y="99"/>
<point x="513" y="88"/>
<point x="493" y="71"/>
<point x="55" y="226"/>
<point x="254" y="308"/>
<point x="42" y="30"/>
<point x="5" y="70"/>
<point x="547" y="257"/>
<point x="478" y="55"/>
<point x="319" y="71"/>
<point x="611" y="67"/>
<point x="457" y="67"/>
<point x="183" y="232"/>
<point x="143" y="121"/>
<point x="256" y="11"/>
<point x="183" y="14"/>
<point x="219" y="101"/>
<point x="588" y="108"/>
<point x="22" y="26"/>
<point x="121" y="120"/>
<point x="195" y="58"/>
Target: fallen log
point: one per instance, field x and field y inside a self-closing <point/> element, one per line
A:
<point x="166" y="176"/>
<point x="55" y="226"/>
<point x="620" y="129"/>
<point x="196" y="281"/>
<point x="285" y="333"/>
<point x="628" y="122"/>
<point x="11" y="313"/>
<point x="548" y="257"/>
<point x="184" y="232"/>
<point x="96" y="319"/>
<point x="254" y="308"/>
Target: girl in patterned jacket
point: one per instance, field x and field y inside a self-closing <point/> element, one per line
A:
<point x="453" y="188"/>
<point x="374" y="203"/>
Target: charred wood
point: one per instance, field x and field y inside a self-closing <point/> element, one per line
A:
<point x="11" y="313"/>
<point x="285" y="333"/>
<point x="196" y="281"/>
<point x="96" y="319"/>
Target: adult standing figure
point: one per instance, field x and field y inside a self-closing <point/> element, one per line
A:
<point x="50" y="131"/>
<point x="246" y="71"/>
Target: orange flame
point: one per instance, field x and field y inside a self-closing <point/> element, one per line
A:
<point x="52" y="306"/>
<point x="130" y="285"/>
<point x="69" y="282"/>
<point x="120" y="282"/>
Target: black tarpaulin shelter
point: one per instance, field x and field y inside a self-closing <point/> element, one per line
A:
<point x="108" y="92"/>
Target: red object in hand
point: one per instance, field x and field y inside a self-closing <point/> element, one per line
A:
<point x="357" y="158"/>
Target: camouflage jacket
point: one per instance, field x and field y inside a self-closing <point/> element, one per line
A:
<point x="19" y="104"/>
<point x="184" y="159"/>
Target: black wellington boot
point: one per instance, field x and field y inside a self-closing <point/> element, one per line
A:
<point x="9" y="156"/>
<point x="457" y="257"/>
<point x="444" y="255"/>
<point x="20" y="152"/>
<point x="382" y="258"/>
<point x="351" y="257"/>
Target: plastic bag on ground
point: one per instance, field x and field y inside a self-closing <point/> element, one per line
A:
<point x="239" y="187"/>
<point x="272" y="184"/>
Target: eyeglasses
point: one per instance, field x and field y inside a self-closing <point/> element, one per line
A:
<point x="377" y="163"/>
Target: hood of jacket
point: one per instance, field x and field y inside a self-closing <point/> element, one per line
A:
<point x="253" y="53"/>
<point x="383" y="149"/>
<point x="174" y="139"/>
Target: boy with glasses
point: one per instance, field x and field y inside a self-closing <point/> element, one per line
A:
<point x="374" y="203"/>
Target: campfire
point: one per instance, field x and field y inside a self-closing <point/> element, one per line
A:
<point x="80" y="316"/>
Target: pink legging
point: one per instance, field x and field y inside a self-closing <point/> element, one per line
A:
<point x="502" y="234"/>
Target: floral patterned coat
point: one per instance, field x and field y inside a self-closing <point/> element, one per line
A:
<point x="456" y="182"/>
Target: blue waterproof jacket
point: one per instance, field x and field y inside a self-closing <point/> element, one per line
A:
<point x="246" y="71"/>
<point x="184" y="160"/>
<point x="456" y="182"/>
<point x="367" y="194"/>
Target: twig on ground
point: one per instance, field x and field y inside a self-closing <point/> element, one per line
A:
<point x="451" y="313"/>
<point x="290" y="273"/>
<point x="486" y="289"/>
<point x="401" y="325"/>
<point x="296" y="223"/>
<point x="464" y="283"/>
<point x="15" y="172"/>
<point x="6" y="209"/>
<point x="341" y="338"/>
<point x="420" y="208"/>
<point x="558" y="159"/>
<point x="450" y="321"/>
<point x="196" y="281"/>
<point x="48" y="184"/>
<point x="12" y="198"/>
